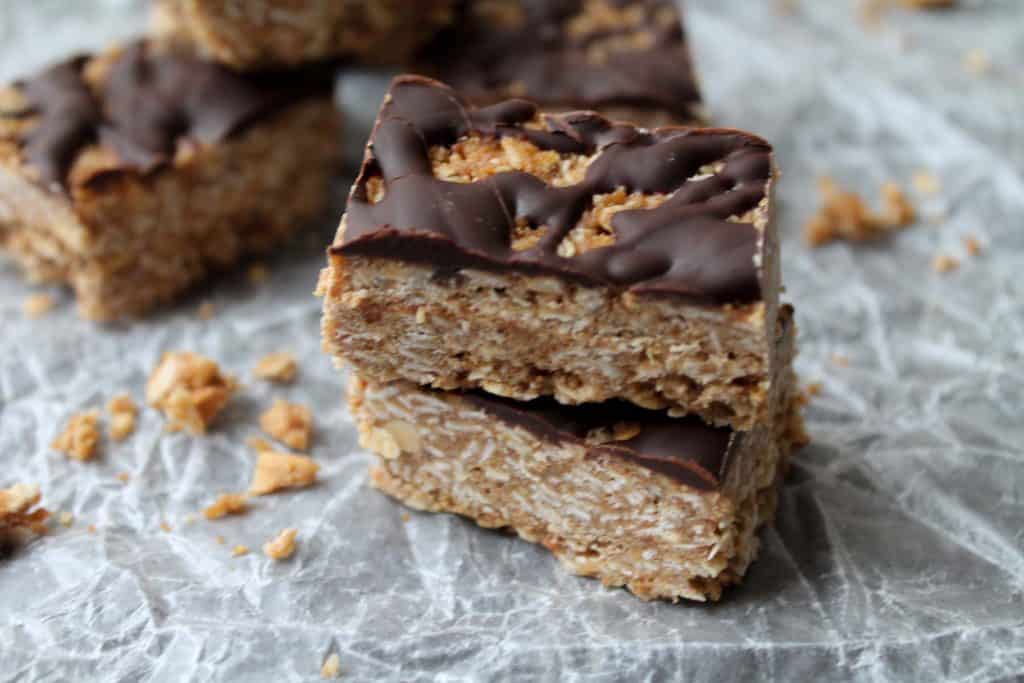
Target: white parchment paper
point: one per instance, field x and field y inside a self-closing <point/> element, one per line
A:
<point x="899" y="551"/>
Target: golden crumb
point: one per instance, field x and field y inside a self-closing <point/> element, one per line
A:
<point x="282" y="546"/>
<point x="813" y="389"/>
<point x="277" y="367"/>
<point x="124" y="477"/>
<point x="289" y="423"/>
<point x="278" y="471"/>
<point x="206" y="310"/>
<point x="785" y="7"/>
<point x="227" y="504"/>
<point x="190" y="390"/>
<point x="220" y="540"/>
<point x="38" y="305"/>
<point x="258" y="273"/>
<point x="16" y="513"/>
<point x="81" y="437"/>
<point x="840" y="360"/>
<point x="239" y="550"/>
<point x="977" y="62"/>
<point x="972" y="246"/>
<point x="66" y="519"/>
<point x="190" y="519"/>
<point x="928" y="4"/>
<point x="926" y="182"/>
<point x="165" y="527"/>
<point x="91" y="528"/>
<point x="123" y="412"/>
<point x="405" y="516"/>
<point x="943" y="263"/>
<point x="331" y="667"/>
<point x="258" y="444"/>
<point x="846" y="216"/>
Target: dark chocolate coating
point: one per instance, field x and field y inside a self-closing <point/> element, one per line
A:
<point x="541" y="58"/>
<point x="683" y="448"/>
<point x="685" y="247"/>
<point x="146" y="104"/>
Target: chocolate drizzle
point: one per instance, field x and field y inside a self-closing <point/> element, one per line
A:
<point x="529" y="47"/>
<point x="685" y="449"/>
<point x="686" y="247"/>
<point x="146" y="104"/>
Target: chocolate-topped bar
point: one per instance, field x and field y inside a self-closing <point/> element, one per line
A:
<point x="667" y="506"/>
<point x="129" y="175"/>
<point x="628" y="59"/>
<point x="268" y="33"/>
<point x="530" y="254"/>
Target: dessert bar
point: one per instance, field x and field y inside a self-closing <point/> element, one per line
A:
<point x="132" y="174"/>
<point x="565" y="255"/>
<point x="248" y="34"/>
<point x="628" y="59"/>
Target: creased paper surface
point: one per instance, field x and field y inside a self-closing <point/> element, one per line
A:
<point x="899" y="550"/>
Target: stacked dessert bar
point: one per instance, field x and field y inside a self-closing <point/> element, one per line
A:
<point x="569" y="327"/>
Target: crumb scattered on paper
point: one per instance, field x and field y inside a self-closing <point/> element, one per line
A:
<point x="239" y="550"/>
<point x="91" y="528"/>
<point x="220" y="540"/>
<point x="846" y="216"/>
<point x="227" y="504"/>
<point x="972" y="246"/>
<point x="277" y="367"/>
<point x="124" y="477"/>
<point x="38" y="305"/>
<point x="190" y="390"/>
<point x="840" y="360"/>
<point x="81" y="436"/>
<point x="331" y="667"/>
<point x="123" y="412"/>
<point x="405" y="516"/>
<point x="282" y="546"/>
<point x="926" y="182"/>
<point x="977" y="62"/>
<point x="278" y="471"/>
<point x="813" y="389"/>
<point x="944" y="263"/>
<point x="66" y="519"/>
<point x="16" y="510"/>
<point x="166" y="528"/>
<point x="289" y="423"/>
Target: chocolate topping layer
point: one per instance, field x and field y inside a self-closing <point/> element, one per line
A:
<point x="686" y="247"/>
<point x="685" y="449"/>
<point x="575" y="54"/>
<point x="146" y="103"/>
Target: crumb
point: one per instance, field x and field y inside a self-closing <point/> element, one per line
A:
<point x="81" y="438"/>
<point x="190" y="390"/>
<point x="166" y="528"/>
<point x="206" y="310"/>
<point x="283" y="546"/>
<point x="38" y="305"/>
<point x="785" y="7"/>
<point x="123" y="412"/>
<point x="840" y="360"/>
<point x="331" y="667"/>
<point x="928" y="4"/>
<point x="220" y="540"/>
<point x="289" y="423"/>
<point x="91" y="528"/>
<point x="190" y="519"/>
<point x="277" y="367"/>
<point x="124" y="477"/>
<point x="977" y="62"/>
<point x="259" y="445"/>
<point x="926" y="182"/>
<point x="405" y="516"/>
<point x="66" y="519"/>
<point x="813" y="389"/>
<point x="16" y="513"/>
<point x="278" y="471"/>
<point x="943" y="263"/>
<point x="972" y="246"/>
<point x="258" y="273"/>
<point x="846" y="216"/>
<point x="227" y="504"/>
<point x="239" y="550"/>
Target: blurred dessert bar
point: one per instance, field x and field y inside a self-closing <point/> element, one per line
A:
<point x="248" y="34"/>
<point x="627" y="59"/>
<point x="530" y="254"/>
<point x="131" y="174"/>
<point x="668" y="507"/>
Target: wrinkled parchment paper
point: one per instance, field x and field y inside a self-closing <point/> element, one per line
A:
<point x="899" y="551"/>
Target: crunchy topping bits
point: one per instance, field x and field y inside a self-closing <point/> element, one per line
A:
<point x="220" y="540"/>
<point x="123" y="412"/>
<point x="38" y="305"/>
<point x="124" y="477"/>
<point x="277" y="367"/>
<point x="227" y="504"/>
<point x="289" y="423"/>
<point x="845" y="215"/>
<point x="189" y="389"/>
<point x="206" y="310"/>
<point x="972" y="246"/>
<point x="258" y="273"/>
<point x="331" y="667"/>
<point x="595" y="227"/>
<point x="278" y="471"/>
<point x="16" y="513"/>
<point x="977" y="62"/>
<point x="926" y="182"/>
<point x="259" y="445"/>
<point x="813" y="389"/>
<point x="165" y="527"/>
<point x="66" y="519"/>
<point x="283" y="546"/>
<point x="943" y="263"/>
<point x="81" y="437"/>
<point x="239" y="550"/>
<point x="474" y="158"/>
